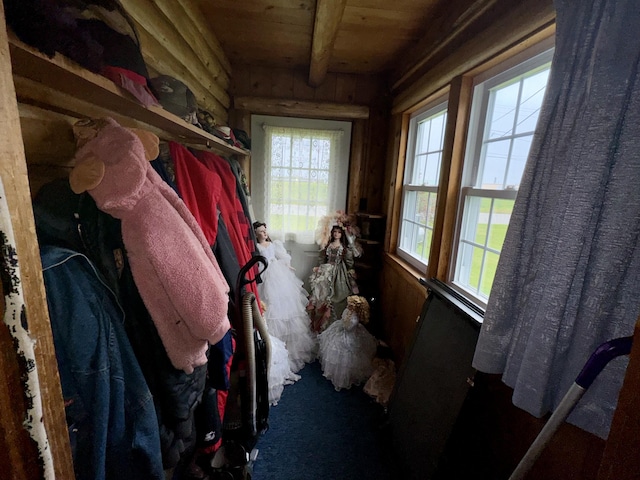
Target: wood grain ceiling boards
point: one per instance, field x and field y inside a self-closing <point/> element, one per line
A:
<point x="401" y="39"/>
<point x="278" y="33"/>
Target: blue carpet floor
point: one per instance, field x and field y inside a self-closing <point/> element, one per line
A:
<point x="317" y="433"/>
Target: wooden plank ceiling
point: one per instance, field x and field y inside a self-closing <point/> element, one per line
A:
<point x="401" y="39"/>
<point x="320" y="36"/>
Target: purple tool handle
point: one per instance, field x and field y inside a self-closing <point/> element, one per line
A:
<point x="599" y="359"/>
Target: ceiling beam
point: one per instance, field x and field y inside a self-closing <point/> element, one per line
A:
<point x="301" y="108"/>
<point x="325" y="30"/>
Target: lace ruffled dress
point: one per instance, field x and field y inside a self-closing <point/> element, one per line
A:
<point x="285" y="300"/>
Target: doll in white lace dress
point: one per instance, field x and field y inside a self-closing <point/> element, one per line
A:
<point x="347" y="349"/>
<point x="286" y="300"/>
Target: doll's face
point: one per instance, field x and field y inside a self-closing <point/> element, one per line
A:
<point x="336" y="234"/>
<point x="261" y="234"/>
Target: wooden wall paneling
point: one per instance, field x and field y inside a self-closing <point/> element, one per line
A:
<point x="301" y="89"/>
<point x="261" y="81"/>
<point x="447" y="202"/>
<point x="620" y="460"/>
<point x="326" y="91"/>
<point x="193" y="11"/>
<point x="241" y="81"/>
<point x="195" y="39"/>
<point x="356" y="180"/>
<point x="368" y="88"/>
<point x="49" y="145"/>
<point x="13" y="171"/>
<point x="345" y="88"/>
<point x="150" y="19"/>
<point x="492" y="435"/>
<point x="402" y="298"/>
<point x="282" y="83"/>
<point x="524" y="24"/>
<point x="241" y="119"/>
<point x="375" y="157"/>
<point x="47" y="136"/>
<point x="390" y="162"/>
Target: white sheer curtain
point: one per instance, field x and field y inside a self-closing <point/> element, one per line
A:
<point x="301" y="179"/>
<point x="568" y="276"/>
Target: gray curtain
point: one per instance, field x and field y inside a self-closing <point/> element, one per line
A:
<point x="569" y="273"/>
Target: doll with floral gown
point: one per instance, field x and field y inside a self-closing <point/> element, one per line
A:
<point x="346" y="348"/>
<point x="334" y="279"/>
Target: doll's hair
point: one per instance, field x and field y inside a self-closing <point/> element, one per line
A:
<point x="360" y="306"/>
<point x="343" y="237"/>
<point x="257" y="225"/>
<point x="340" y="219"/>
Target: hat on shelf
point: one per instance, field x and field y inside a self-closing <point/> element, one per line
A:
<point x="243" y="138"/>
<point x="206" y="120"/>
<point x="175" y="97"/>
<point x="226" y="134"/>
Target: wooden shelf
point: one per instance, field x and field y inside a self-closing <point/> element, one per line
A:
<point x="369" y="215"/>
<point x="62" y="85"/>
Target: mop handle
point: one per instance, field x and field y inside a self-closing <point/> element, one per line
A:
<point x="596" y="363"/>
<point x="599" y="359"/>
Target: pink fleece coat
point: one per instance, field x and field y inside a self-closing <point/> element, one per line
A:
<point x="174" y="268"/>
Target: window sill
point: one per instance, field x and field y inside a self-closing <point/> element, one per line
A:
<point x="473" y="312"/>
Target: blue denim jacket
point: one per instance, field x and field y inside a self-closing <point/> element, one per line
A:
<point x="110" y="411"/>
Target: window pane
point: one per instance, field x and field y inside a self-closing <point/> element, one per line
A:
<point x="488" y="274"/>
<point x="533" y="89"/>
<point x="299" y="179"/>
<point x="518" y="160"/>
<point x="424" y="157"/>
<point x="417" y="224"/>
<point x="482" y="235"/>
<point x="502" y="110"/>
<point x="500" y="216"/>
<point x="436" y="133"/>
<point x="505" y="112"/>
<point x="496" y="157"/>
<point x="428" y="149"/>
<point x="469" y="265"/>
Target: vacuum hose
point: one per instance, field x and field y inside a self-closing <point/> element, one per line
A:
<point x="251" y="317"/>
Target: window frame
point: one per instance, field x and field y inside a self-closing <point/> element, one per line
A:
<point x="431" y="109"/>
<point x="259" y="182"/>
<point x="531" y="59"/>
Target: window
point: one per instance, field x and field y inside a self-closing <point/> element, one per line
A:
<point x="300" y="173"/>
<point x="420" y="188"/>
<point x="504" y="113"/>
